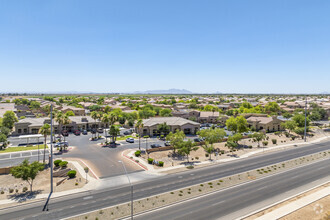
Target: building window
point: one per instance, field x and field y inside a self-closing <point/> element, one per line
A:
<point x="19" y="131"/>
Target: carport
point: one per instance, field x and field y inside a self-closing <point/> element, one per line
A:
<point x="31" y="137"/>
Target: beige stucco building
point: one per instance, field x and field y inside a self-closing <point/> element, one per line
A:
<point x="176" y="123"/>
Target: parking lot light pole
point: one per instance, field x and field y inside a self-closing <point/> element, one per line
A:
<point x="129" y="181"/>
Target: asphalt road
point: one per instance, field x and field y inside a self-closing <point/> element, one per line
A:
<point x="103" y="160"/>
<point x="97" y="199"/>
<point x="239" y="201"/>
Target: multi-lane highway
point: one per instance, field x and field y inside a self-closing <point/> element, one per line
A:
<point x="241" y="200"/>
<point x="97" y="199"/>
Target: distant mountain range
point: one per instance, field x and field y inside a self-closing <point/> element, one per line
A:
<point x="168" y="91"/>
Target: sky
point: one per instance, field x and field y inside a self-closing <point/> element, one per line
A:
<point x="205" y="46"/>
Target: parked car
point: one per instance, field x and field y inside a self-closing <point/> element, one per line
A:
<point x="93" y="131"/>
<point x="100" y="130"/>
<point x="198" y="140"/>
<point x="65" y="133"/>
<point x="167" y="143"/>
<point x="155" y="146"/>
<point x="62" y="144"/>
<point x="130" y="140"/>
<point x="84" y="132"/>
<point x="77" y="132"/>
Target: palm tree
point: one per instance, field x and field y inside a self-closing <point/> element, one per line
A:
<point x="59" y="118"/>
<point x="66" y="121"/>
<point x="114" y="132"/>
<point x="139" y="125"/>
<point x="99" y="117"/>
<point x="105" y="119"/>
<point x="94" y="115"/>
<point x="45" y="131"/>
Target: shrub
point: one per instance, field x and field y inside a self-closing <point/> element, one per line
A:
<point x="64" y="164"/>
<point x="137" y="161"/>
<point x="72" y="173"/>
<point x="206" y="155"/>
<point x="2" y="192"/>
<point x="137" y="153"/>
<point x="293" y="138"/>
<point x="161" y="163"/>
<point x="250" y="146"/>
<point x="190" y="167"/>
<point x="25" y="189"/>
<point x="222" y="152"/>
<point x="57" y="163"/>
<point x="197" y="158"/>
<point x="16" y="190"/>
<point x="265" y="143"/>
<point x="274" y="141"/>
<point x="150" y="160"/>
<point x="76" y="184"/>
<point x="11" y="190"/>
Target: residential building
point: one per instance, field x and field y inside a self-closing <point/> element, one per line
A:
<point x="267" y="124"/>
<point x="175" y="123"/>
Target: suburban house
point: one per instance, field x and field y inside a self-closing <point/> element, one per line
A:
<point x="208" y="117"/>
<point x="176" y="123"/>
<point x="75" y="110"/>
<point x="267" y="124"/>
<point x="32" y="125"/>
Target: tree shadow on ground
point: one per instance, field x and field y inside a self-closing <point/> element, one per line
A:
<point x="23" y="197"/>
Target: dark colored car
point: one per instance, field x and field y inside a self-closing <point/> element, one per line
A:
<point x="84" y="132"/>
<point x="65" y="133"/>
<point x="93" y="131"/>
<point x="77" y="132"/>
<point x="198" y="140"/>
<point x="167" y="143"/>
<point x="155" y="146"/>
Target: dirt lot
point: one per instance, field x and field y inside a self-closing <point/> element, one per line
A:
<point x="200" y="155"/>
<point x="41" y="185"/>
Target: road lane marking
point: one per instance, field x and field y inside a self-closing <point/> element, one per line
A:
<point x="88" y="197"/>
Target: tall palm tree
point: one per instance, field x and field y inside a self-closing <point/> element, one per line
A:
<point x="105" y="119"/>
<point x="94" y="115"/>
<point x="139" y="125"/>
<point x="66" y="121"/>
<point x="45" y="131"/>
<point x="112" y="120"/>
<point x="59" y="118"/>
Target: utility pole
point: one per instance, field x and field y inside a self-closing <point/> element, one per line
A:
<point x="305" y="119"/>
<point x="50" y="159"/>
<point x="129" y="181"/>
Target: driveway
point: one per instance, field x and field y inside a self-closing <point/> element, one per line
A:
<point x="103" y="160"/>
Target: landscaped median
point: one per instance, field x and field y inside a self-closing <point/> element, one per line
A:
<point x="25" y="148"/>
<point x="168" y="198"/>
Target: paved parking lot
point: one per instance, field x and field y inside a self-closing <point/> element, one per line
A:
<point x="103" y="160"/>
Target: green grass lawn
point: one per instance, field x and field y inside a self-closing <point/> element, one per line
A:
<point x="124" y="137"/>
<point x="16" y="149"/>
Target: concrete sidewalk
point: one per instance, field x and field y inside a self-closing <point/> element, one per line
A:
<point x="295" y="205"/>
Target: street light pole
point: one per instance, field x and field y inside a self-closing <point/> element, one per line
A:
<point x="305" y="119"/>
<point x="129" y="181"/>
<point x="50" y="158"/>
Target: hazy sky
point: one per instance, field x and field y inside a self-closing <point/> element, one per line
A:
<point x="258" y="46"/>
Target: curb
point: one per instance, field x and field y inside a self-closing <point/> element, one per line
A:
<point x="141" y="165"/>
<point x="90" y="169"/>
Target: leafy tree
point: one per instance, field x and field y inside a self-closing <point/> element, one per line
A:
<point x="163" y="128"/>
<point x="122" y="120"/>
<point x="138" y="126"/>
<point x="165" y="112"/>
<point x="290" y="125"/>
<point x="231" y="124"/>
<point x="27" y="171"/>
<point x="107" y="109"/>
<point x="231" y="145"/>
<point x="300" y="131"/>
<point x="242" y="125"/>
<point x="69" y="113"/>
<point x="238" y="124"/>
<point x="208" y="148"/>
<point x="45" y="131"/>
<point x="186" y="147"/>
<point x="287" y="115"/>
<point x="3" y="140"/>
<point x="315" y="116"/>
<point x="257" y="137"/>
<point x="272" y="107"/>
<point x="212" y="135"/>
<point x="4" y="130"/>
<point x="9" y="119"/>
<point x="34" y="105"/>
<point x="300" y="120"/>
<point x="175" y="139"/>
